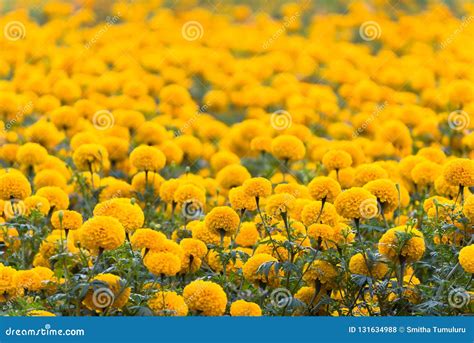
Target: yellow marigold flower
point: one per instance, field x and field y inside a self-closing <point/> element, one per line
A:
<point x="433" y="154"/>
<point x="261" y="144"/>
<point x="102" y="232"/>
<point x="147" y="158"/>
<point x="386" y="193"/>
<point x="31" y="154"/>
<point x="324" y="188"/>
<point x="190" y="193"/>
<point x="167" y="303"/>
<point x="288" y="148"/>
<point x="445" y="189"/>
<point x="152" y="180"/>
<point x="151" y="133"/>
<point x="257" y="187"/>
<point x="8" y="152"/>
<point x="162" y="263"/>
<point x="222" y="159"/>
<point x="278" y="251"/>
<point x="117" y="148"/>
<point x="114" y="188"/>
<point x="232" y="176"/>
<point x="321" y="271"/>
<point x="222" y="220"/>
<point x="147" y="239"/>
<point x="91" y="157"/>
<point x="336" y="160"/>
<point x="402" y="241"/>
<point x="321" y="233"/>
<point x="468" y="208"/>
<point x="279" y="204"/>
<point x="248" y="235"/>
<point x="459" y="172"/>
<point x="201" y="231"/>
<point x="50" y="177"/>
<point x="298" y="191"/>
<point x="66" y="220"/>
<point x="359" y="264"/>
<point x="40" y="313"/>
<point x="191" y="146"/>
<point x="109" y="292"/>
<point x="252" y="273"/>
<point x="36" y="203"/>
<point x="369" y="172"/>
<point x="306" y="295"/>
<point x="58" y="199"/>
<point x="239" y="200"/>
<point x="242" y="308"/>
<point x="129" y="214"/>
<point x="167" y="190"/>
<point x="317" y="213"/>
<point x="352" y="203"/>
<point x="205" y="297"/>
<point x="29" y="280"/>
<point x="14" y="185"/>
<point x="425" y="173"/>
<point x="9" y="237"/>
<point x="8" y="287"/>
<point x="194" y="251"/>
<point x="466" y="259"/>
<point x="172" y="151"/>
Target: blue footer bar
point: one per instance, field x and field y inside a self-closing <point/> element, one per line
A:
<point x="227" y="329"/>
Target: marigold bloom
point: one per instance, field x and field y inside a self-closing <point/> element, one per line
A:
<point x="205" y="297"/>
<point x="288" y="148"/>
<point x="147" y="158"/>
<point x="242" y="308"/>
<point x="324" y="188"/>
<point x="222" y="220"/>
<point x="402" y="241"/>
<point x="167" y="303"/>
<point x="466" y="258"/>
<point x="102" y="232"/>
<point x="129" y="214"/>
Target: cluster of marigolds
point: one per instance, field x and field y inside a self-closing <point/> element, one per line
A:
<point x="175" y="162"/>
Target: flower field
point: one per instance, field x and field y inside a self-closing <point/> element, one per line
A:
<point x="309" y="158"/>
